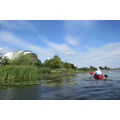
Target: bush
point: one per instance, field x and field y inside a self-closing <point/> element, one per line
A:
<point x="44" y="70"/>
<point x="64" y="71"/>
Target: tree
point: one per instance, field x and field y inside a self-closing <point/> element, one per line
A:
<point x="62" y="64"/>
<point x="72" y="66"/>
<point x="67" y="65"/>
<point x="46" y="63"/>
<point x="92" y="68"/>
<point x="101" y="67"/>
<point x="24" y="60"/>
<point x="106" y="68"/>
<point x="38" y="63"/>
<point x="55" y="62"/>
<point x="84" y="68"/>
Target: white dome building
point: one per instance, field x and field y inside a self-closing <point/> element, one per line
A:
<point x="14" y="54"/>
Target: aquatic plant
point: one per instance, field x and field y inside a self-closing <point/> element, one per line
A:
<point x="13" y="73"/>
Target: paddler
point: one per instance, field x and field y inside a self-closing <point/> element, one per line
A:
<point x="98" y="74"/>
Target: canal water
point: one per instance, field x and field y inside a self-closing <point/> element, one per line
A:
<point x="77" y="87"/>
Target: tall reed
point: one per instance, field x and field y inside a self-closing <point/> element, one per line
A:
<point x="21" y="73"/>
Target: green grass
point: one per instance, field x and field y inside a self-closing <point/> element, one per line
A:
<point x="12" y="74"/>
<point x="15" y="75"/>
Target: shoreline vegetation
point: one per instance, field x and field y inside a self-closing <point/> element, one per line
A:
<point x="26" y="70"/>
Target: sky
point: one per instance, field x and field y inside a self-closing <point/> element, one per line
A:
<point x="81" y="42"/>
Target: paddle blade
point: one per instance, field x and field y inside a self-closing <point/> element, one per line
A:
<point x="106" y="76"/>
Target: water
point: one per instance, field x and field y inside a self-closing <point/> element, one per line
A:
<point x="77" y="87"/>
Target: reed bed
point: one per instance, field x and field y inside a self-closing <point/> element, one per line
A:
<point x="29" y="75"/>
<point x="11" y="74"/>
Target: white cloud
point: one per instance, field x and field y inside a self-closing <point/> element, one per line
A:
<point x="18" y="25"/>
<point x="70" y="53"/>
<point x="61" y="48"/>
<point x="106" y="55"/>
<point x="72" y="41"/>
<point x="100" y="56"/>
<point x="10" y="38"/>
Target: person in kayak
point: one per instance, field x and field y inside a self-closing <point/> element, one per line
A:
<point x="98" y="74"/>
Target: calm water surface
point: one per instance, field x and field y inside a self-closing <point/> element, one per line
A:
<point x="77" y="87"/>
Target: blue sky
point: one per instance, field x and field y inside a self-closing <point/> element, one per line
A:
<point x="83" y="43"/>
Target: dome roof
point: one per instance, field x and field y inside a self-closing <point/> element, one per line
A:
<point x="17" y="53"/>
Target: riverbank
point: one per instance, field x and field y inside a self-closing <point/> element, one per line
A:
<point x="11" y="75"/>
<point x="25" y="75"/>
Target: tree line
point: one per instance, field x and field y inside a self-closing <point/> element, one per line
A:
<point x="53" y="63"/>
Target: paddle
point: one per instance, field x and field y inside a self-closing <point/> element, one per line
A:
<point x="106" y="76"/>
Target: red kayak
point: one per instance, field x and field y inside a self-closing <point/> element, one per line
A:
<point x="91" y="73"/>
<point x="98" y="76"/>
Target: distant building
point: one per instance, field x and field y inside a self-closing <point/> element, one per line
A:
<point x="14" y="54"/>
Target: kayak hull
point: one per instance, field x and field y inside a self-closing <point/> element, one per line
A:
<point x="99" y="77"/>
<point x="91" y="73"/>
